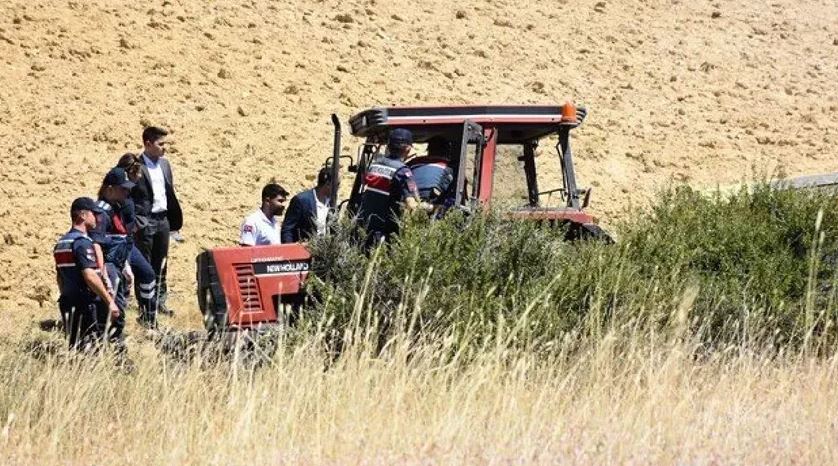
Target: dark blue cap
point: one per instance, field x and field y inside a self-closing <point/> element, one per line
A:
<point x="118" y="177"/>
<point x="400" y="137"/>
<point x="85" y="203"/>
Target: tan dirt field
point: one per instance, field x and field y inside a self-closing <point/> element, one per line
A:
<point x="693" y="91"/>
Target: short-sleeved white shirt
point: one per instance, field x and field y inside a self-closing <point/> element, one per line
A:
<point x="257" y="230"/>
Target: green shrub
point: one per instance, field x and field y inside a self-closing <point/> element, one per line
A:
<point x="753" y="266"/>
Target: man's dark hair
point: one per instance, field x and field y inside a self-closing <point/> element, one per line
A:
<point x="439" y="146"/>
<point x="153" y="133"/>
<point x="272" y="190"/>
<point x="324" y="176"/>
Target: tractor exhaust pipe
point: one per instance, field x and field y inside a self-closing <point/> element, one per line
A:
<point x="335" y="175"/>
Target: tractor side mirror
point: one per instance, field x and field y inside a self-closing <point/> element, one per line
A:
<point x="587" y="199"/>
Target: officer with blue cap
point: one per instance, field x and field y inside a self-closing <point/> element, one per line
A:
<point x="388" y="188"/>
<point x="113" y="233"/>
<point x="86" y="306"/>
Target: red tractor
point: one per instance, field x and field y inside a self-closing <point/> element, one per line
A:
<point x="242" y="288"/>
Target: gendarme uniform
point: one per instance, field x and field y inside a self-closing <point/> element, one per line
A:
<point x="433" y="178"/>
<point x="387" y="183"/>
<point x="113" y="234"/>
<point x="83" y="313"/>
<point x="257" y="230"/>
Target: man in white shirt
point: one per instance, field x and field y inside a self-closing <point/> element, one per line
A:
<point x="262" y="227"/>
<point x="157" y="211"/>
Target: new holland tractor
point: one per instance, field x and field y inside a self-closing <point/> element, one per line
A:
<point x="241" y="288"/>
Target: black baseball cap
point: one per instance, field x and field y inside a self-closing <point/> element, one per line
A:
<point x="85" y="203"/>
<point x="118" y="177"/>
<point x="400" y="137"/>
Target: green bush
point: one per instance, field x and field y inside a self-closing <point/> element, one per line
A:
<point x="751" y="267"/>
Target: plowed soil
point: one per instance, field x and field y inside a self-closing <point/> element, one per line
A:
<point x="699" y="92"/>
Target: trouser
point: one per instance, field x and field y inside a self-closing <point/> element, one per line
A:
<point x="378" y="231"/>
<point x="153" y="243"/>
<point x="85" y="324"/>
<point x="145" y="285"/>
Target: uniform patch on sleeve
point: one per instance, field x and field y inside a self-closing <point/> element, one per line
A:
<point x="247" y="228"/>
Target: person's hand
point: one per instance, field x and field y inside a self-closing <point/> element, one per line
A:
<point x="129" y="277"/>
<point x="114" y="309"/>
<point x="108" y="285"/>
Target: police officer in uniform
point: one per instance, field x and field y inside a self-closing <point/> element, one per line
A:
<point x="113" y="233"/>
<point x="433" y="173"/>
<point x="85" y="304"/>
<point x="388" y="188"/>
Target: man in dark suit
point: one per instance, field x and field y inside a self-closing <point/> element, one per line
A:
<point x="157" y="210"/>
<point x="308" y="211"/>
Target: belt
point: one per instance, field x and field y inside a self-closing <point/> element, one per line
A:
<point x="158" y="215"/>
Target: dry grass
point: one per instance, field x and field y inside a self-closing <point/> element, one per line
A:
<point x="704" y="359"/>
<point x="621" y="399"/>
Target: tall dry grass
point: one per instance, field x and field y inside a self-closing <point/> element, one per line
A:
<point x="626" y="398"/>
<point x="705" y="337"/>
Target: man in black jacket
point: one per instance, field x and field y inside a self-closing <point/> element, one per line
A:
<point x="308" y="211"/>
<point x="157" y="208"/>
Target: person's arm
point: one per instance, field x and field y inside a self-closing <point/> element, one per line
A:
<point x="100" y="263"/>
<point x="247" y="236"/>
<point x="409" y="191"/>
<point x="446" y="184"/>
<point x="86" y="259"/>
<point x="289" y="231"/>
<point x="139" y="196"/>
<point x="128" y="273"/>
<point x="94" y="282"/>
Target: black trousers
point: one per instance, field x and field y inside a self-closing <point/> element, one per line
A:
<point x="85" y="323"/>
<point x="153" y="243"/>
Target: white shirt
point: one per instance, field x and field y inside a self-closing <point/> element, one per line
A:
<point x="158" y="185"/>
<point x="257" y="230"/>
<point x="322" y="215"/>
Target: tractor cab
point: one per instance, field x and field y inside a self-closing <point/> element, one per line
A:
<point x="484" y="139"/>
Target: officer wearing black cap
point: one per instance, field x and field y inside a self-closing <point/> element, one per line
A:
<point x="113" y="233"/>
<point x="388" y="188"/>
<point x="85" y="304"/>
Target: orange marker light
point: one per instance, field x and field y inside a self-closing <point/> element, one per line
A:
<point x="569" y="114"/>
